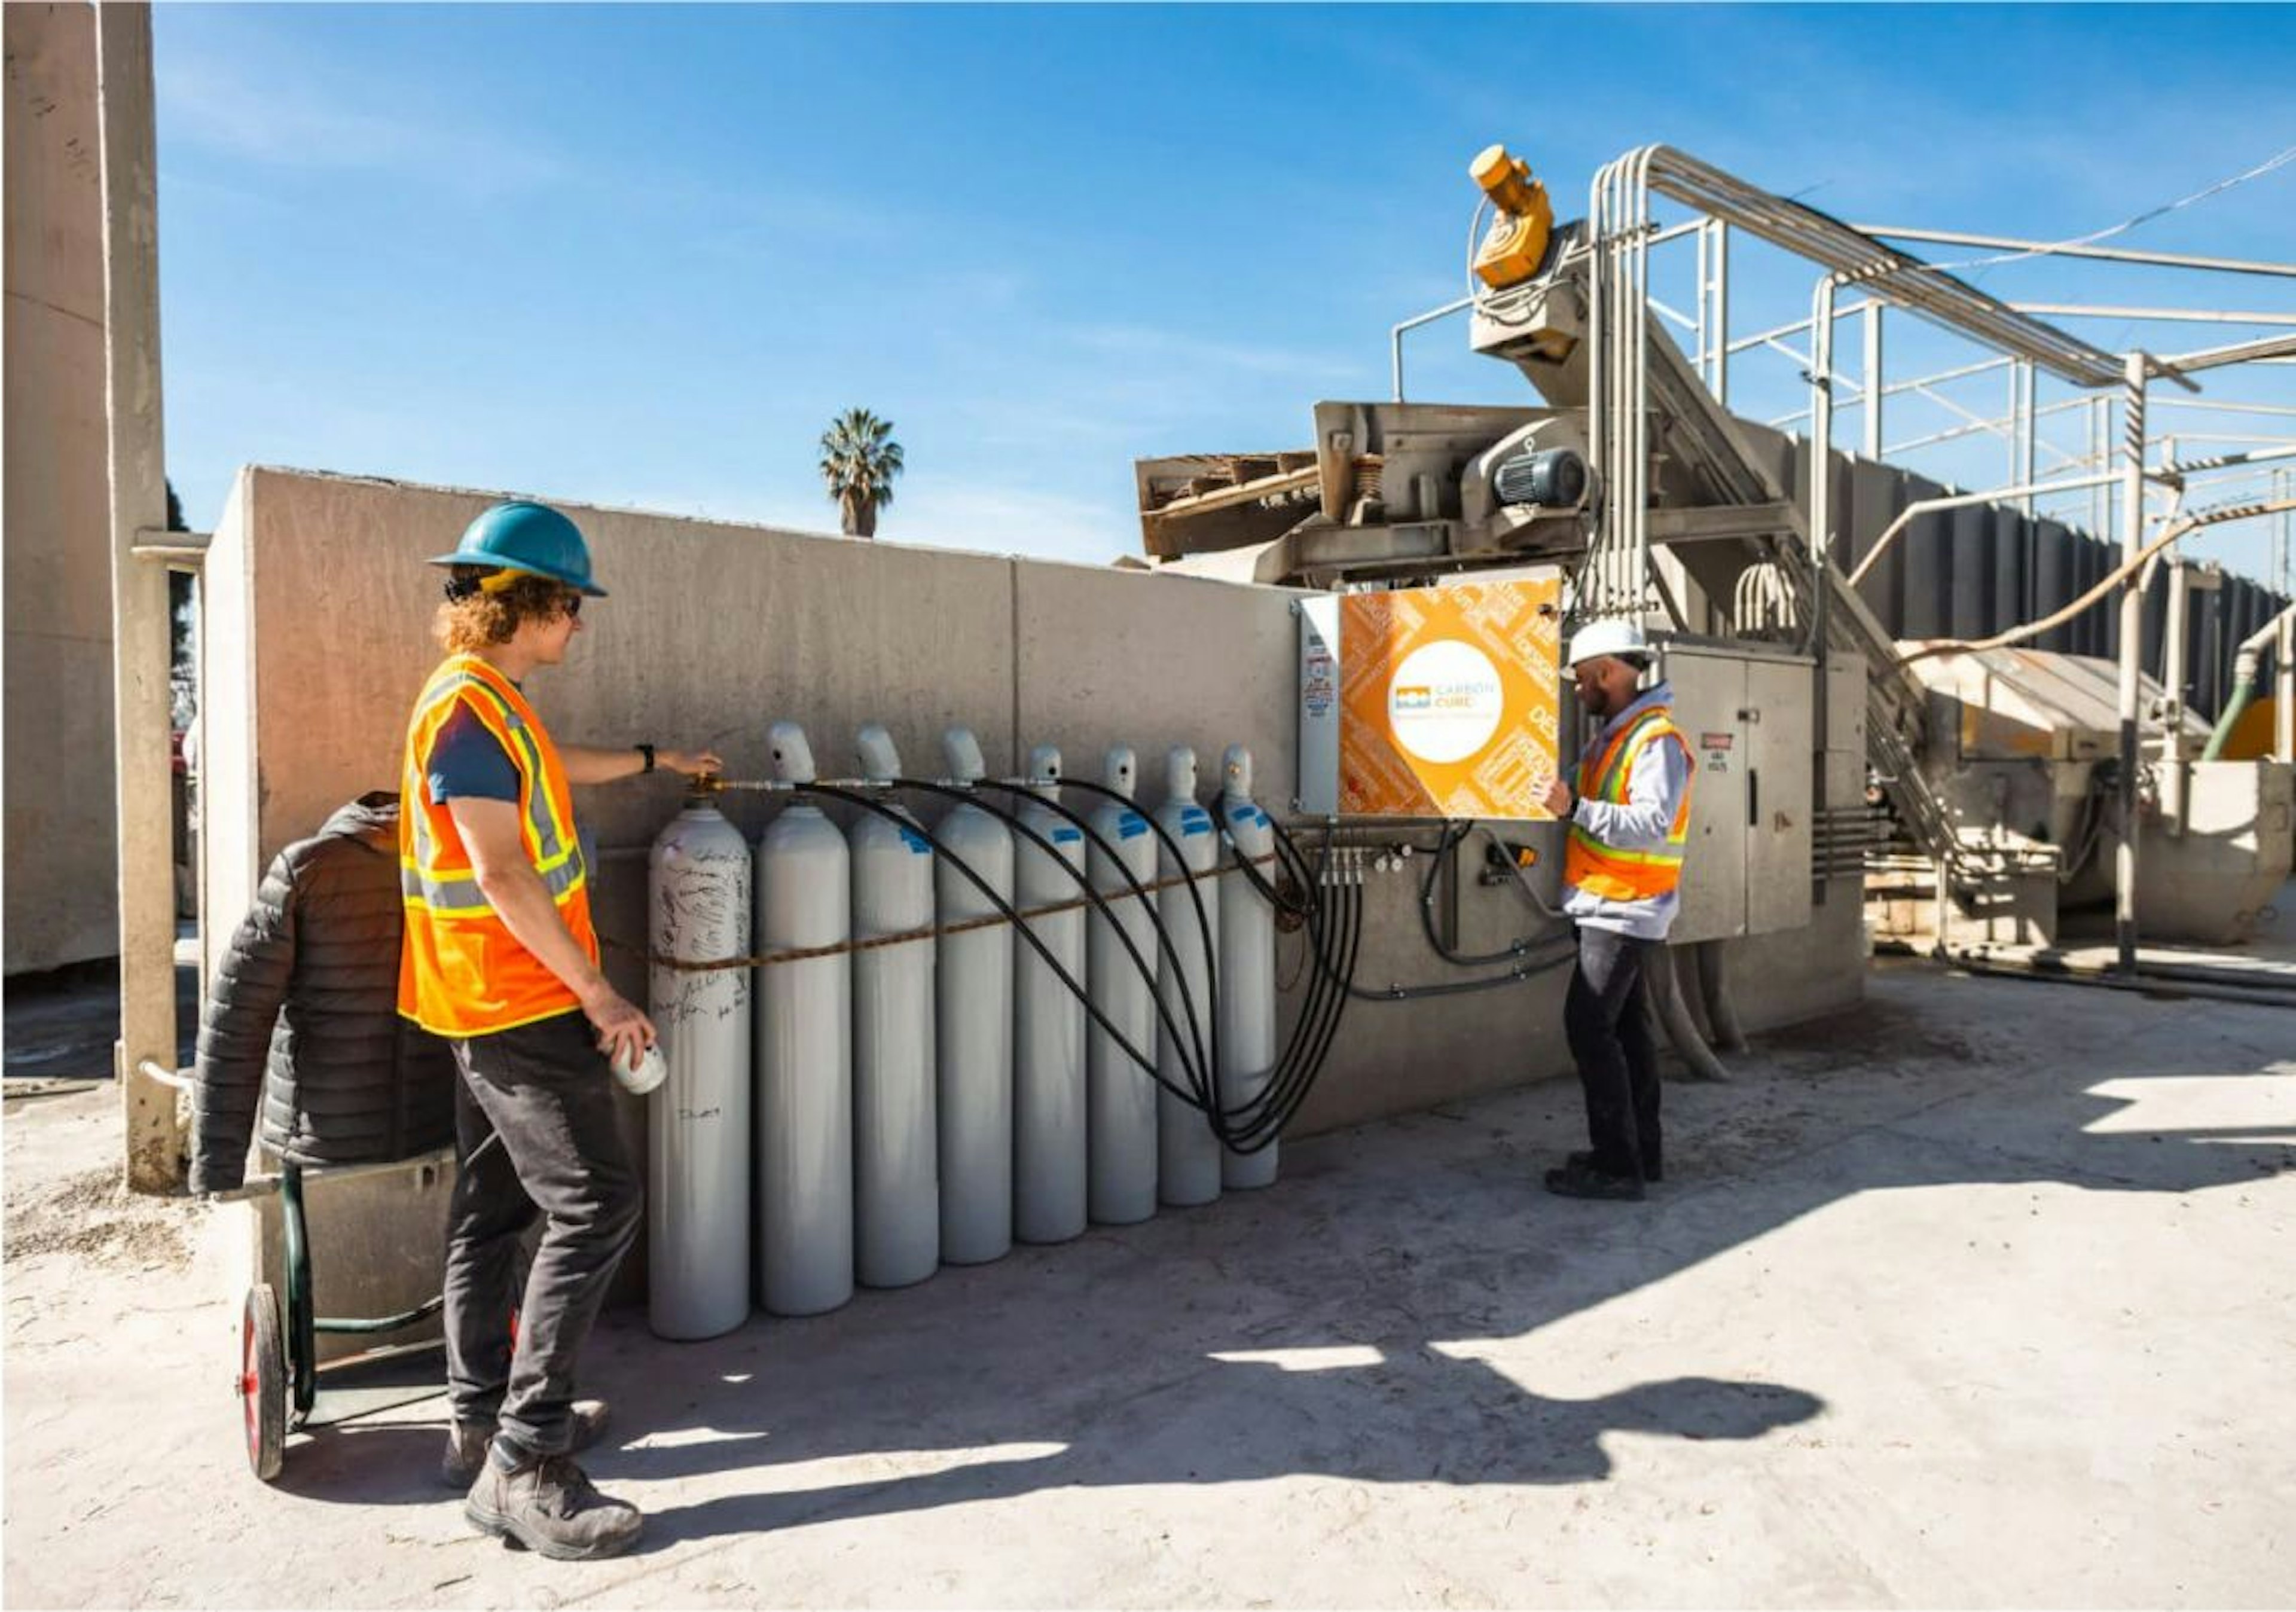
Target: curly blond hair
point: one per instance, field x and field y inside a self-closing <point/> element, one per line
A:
<point x="473" y="619"/>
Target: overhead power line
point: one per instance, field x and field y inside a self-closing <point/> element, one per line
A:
<point x="2276" y="161"/>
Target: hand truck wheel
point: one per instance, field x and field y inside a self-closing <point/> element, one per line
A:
<point x="263" y="1382"/>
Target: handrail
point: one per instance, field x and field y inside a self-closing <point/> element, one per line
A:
<point x="1953" y="500"/>
<point x="1896" y="277"/>
<point x="2127" y="568"/>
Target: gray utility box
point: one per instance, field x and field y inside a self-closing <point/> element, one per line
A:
<point x="1747" y="717"/>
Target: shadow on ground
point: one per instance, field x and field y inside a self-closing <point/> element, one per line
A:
<point x="1326" y="1326"/>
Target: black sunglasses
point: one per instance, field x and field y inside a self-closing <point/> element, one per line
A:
<point x="572" y="602"/>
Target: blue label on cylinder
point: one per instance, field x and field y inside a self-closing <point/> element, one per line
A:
<point x="1194" y="823"/>
<point x="1241" y="814"/>
<point x="1067" y="836"/>
<point x="916" y="842"/>
<point x="1131" y="827"/>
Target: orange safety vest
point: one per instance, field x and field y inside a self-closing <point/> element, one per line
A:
<point x="1608" y="870"/>
<point x="461" y="971"/>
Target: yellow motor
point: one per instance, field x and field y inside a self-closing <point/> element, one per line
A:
<point x="1516" y="244"/>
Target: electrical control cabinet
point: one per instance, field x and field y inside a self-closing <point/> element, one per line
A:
<point x="1431" y="702"/>
<point x="1746" y="719"/>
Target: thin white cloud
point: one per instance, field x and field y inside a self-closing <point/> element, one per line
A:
<point x="303" y="115"/>
<point x="996" y="519"/>
<point x="1134" y="341"/>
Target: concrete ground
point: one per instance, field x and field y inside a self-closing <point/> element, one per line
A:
<point x="1978" y="1296"/>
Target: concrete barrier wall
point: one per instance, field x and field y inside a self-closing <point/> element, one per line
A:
<point x="319" y="604"/>
<point x="316" y="640"/>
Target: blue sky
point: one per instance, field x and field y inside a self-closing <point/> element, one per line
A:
<point x="639" y="256"/>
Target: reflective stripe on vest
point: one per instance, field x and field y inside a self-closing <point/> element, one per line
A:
<point x="555" y="849"/>
<point x="461" y="971"/>
<point x="1612" y="872"/>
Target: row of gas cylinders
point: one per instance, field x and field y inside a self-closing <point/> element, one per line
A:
<point x="841" y="1111"/>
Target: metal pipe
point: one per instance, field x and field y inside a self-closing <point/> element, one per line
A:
<point x="2132" y="633"/>
<point x="1663" y="993"/>
<point x="1821" y="442"/>
<point x="2280" y="484"/>
<point x="2027" y="383"/>
<point x="2247" y="669"/>
<point x="2056" y="972"/>
<point x="1896" y="276"/>
<point x="2108" y="254"/>
<point x="2135" y="568"/>
<point x="2174" y="667"/>
<point x="2212" y="406"/>
<point x="1925" y="506"/>
<point x="2221" y="462"/>
<point x="1874" y="394"/>
<point x="2283" y="710"/>
<point x="1714" y="985"/>
<point x="1705" y="331"/>
<point x="2180" y="315"/>
<point x="2262" y="347"/>
<point x="1770" y="337"/>
<point x="1722" y="311"/>
<point x="1395" y="334"/>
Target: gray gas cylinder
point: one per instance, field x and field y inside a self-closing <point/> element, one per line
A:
<point x="805" y="1051"/>
<point x="1247" y="967"/>
<point x="1187" y="1152"/>
<point x="698" y="1184"/>
<point x="974" y="1055"/>
<point x="1122" y="1103"/>
<point x="896" y="1162"/>
<point x="1048" y="1022"/>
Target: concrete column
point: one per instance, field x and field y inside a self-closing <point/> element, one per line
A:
<point x="139" y="593"/>
<point x="60" y="875"/>
<point x="2132" y="650"/>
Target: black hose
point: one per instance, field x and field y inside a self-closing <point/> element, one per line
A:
<point x="1265" y="1113"/>
<point x="1281" y="1101"/>
<point x="1007" y="910"/>
<point x="1454" y="836"/>
<point x="1140" y="893"/>
<point x="1196" y="898"/>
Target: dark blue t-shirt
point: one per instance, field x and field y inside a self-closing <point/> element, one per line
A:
<point x="466" y="760"/>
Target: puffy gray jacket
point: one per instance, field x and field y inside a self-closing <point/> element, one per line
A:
<point x="302" y="1015"/>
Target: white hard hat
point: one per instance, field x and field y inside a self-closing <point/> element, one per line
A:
<point x="1607" y="638"/>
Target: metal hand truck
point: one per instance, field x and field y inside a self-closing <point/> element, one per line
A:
<point x="279" y="1369"/>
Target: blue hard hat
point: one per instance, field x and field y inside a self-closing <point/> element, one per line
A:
<point x="532" y="538"/>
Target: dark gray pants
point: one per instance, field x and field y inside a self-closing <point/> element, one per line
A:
<point x="1610" y="1034"/>
<point x="546" y="1090"/>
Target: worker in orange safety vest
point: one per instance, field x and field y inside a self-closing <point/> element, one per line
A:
<point x="500" y="957"/>
<point x="1629" y="820"/>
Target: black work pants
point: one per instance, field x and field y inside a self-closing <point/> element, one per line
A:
<point x="546" y="1090"/>
<point x="1609" y="1029"/>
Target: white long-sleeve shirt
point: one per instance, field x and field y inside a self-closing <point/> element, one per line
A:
<point x="1655" y="787"/>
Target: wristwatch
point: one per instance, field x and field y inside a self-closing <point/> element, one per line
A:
<point x="646" y="751"/>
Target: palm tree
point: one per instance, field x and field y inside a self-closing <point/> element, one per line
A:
<point x="859" y="460"/>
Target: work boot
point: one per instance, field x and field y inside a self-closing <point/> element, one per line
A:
<point x="1583" y="1160"/>
<point x="1584" y="1181"/>
<point x="467" y="1442"/>
<point x="548" y="1504"/>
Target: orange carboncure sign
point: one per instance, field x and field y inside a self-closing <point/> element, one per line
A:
<point x="1449" y="700"/>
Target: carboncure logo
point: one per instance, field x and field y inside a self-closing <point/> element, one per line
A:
<point x="1445" y="702"/>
